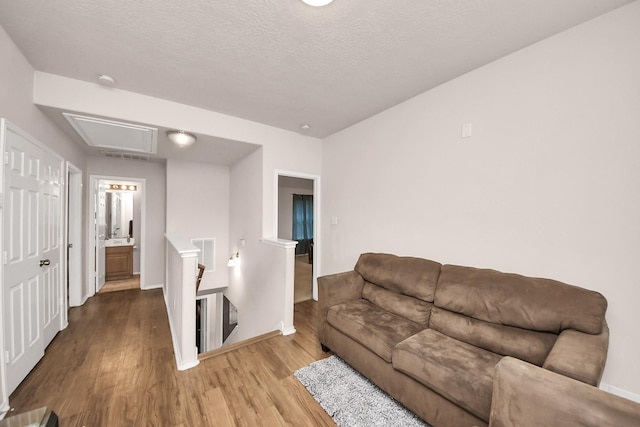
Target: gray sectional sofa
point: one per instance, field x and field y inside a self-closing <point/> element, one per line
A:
<point x="431" y="335"/>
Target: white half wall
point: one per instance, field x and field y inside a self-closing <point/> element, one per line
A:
<point x="548" y="184"/>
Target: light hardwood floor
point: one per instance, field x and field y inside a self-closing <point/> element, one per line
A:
<point x="114" y="366"/>
<point x="303" y="288"/>
<point x="121" y="285"/>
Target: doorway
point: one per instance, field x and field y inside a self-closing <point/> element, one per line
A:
<point x="297" y="219"/>
<point x="117" y="233"/>
<point x="76" y="295"/>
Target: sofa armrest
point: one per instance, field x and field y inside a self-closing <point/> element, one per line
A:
<point x="526" y="395"/>
<point x="579" y="356"/>
<point x="335" y="289"/>
<point x="338" y="288"/>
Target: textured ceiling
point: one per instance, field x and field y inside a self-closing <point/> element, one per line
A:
<point x="281" y="62"/>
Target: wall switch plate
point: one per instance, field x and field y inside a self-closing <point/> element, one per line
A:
<point x="334" y="220"/>
<point x="466" y="130"/>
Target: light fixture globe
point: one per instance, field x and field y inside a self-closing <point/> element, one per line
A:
<point x="181" y="138"/>
<point x="317" y="3"/>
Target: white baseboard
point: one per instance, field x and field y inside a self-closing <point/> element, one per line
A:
<point x="288" y="331"/>
<point x="620" y="392"/>
<point x="4" y="409"/>
<point x="157" y="286"/>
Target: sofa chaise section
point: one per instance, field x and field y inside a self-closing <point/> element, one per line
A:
<point x="551" y="399"/>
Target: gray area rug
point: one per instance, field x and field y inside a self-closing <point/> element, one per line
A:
<point x="350" y="399"/>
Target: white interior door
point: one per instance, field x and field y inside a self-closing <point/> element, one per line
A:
<point x="51" y="246"/>
<point x="23" y="279"/>
<point x="76" y="286"/>
<point x="101" y="234"/>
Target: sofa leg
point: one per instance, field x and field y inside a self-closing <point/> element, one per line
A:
<point x="325" y="348"/>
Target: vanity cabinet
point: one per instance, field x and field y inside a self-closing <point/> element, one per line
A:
<point x="119" y="262"/>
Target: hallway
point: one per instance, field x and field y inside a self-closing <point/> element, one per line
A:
<point x="114" y="366"/>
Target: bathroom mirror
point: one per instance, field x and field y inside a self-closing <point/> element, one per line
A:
<point x="119" y="214"/>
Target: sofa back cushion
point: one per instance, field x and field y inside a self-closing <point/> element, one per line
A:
<point x="415" y="277"/>
<point x="524" y="302"/>
<point x="410" y="308"/>
<point x="525" y="344"/>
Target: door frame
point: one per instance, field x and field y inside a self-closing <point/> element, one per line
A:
<point x="317" y="238"/>
<point x="73" y="232"/>
<point x="4" y="396"/>
<point x="91" y="235"/>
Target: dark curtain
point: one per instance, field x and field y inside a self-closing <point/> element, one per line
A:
<point x="303" y="222"/>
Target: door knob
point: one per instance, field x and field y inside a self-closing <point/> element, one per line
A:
<point x="44" y="262"/>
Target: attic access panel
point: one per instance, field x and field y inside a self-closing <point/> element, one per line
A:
<point x="114" y="135"/>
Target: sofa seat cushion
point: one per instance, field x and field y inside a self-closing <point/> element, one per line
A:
<point x="531" y="346"/>
<point x="371" y="326"/>
<point x="454" y="369"/>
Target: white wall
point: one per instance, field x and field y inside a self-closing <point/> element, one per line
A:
<point x="548" y="185"/>
<point x="16" y="105"/>
<point x="154" y="174"/>
<point x="287" y="187"/>
<point x="246" y="290"/>
<point x="198" y="207"/>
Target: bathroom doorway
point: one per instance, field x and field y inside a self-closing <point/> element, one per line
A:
<point x="117" y="233"/>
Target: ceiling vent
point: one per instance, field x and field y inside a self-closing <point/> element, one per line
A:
<point x="123" y="155"/>
<point x="118" y="136"/>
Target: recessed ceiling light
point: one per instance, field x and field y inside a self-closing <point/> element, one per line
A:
<point x="317" y="3"/>
<point x="106" y="80"/>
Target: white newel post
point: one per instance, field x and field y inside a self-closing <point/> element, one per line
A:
<point x="287" y="250"/>
<point x="180" y="297"/>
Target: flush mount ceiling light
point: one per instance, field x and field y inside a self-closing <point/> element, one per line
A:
<point x="106" y="80"/>
<point x="317" y="3"/>
<point x="181" y="138"/>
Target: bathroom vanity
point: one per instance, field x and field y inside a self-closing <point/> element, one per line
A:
<point x="119" y="259"/>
